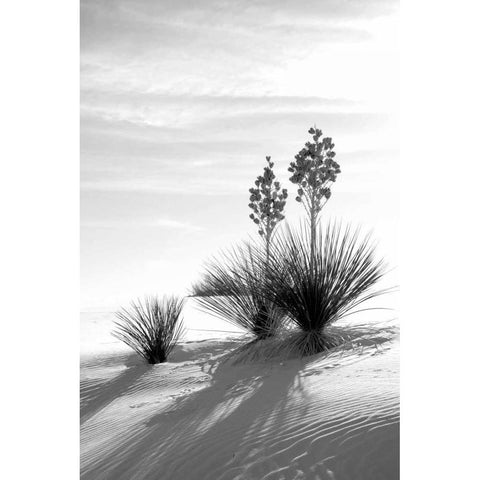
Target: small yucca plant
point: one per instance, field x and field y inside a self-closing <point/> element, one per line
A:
<point x="231" y="289"/>
<point x="316" y="291"/>
<point x="151" y="327"/>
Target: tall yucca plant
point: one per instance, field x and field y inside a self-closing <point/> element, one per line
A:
<point x="151" y="327"/>
<point x="231" y="289"/>
<point x="316" y="291"/>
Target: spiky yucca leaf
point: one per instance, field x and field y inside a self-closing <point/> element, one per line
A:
<point x="232" y="289"/>
<point x="316" y="291"/>
<point x="151" y="327"/>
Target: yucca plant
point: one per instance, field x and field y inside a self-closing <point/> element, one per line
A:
<point x="314" y="292"/>
<point x="151" y="327"/>
<point x="231" y="289"/>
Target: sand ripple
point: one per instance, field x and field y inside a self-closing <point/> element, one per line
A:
<point x="329" y="417"/>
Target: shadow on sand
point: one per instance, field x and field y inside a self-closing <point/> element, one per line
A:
<point x="167" y="445"/>
<point x="240" y="402"/>
<point x="96" y="394"/>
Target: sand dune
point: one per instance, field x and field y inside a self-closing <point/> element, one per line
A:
<point x="201" y="416"/>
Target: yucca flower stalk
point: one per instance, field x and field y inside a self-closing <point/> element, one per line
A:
<point x="313" y="171"/>
<point x="267" y="200"/>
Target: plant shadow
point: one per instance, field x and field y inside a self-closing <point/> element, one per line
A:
<point x="240" y="398"/>
<point x="229" y="416"/>
<point x="96" y="393"/>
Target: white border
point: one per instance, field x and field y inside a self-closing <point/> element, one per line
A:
<point x="40" y="238"/>
<point x="439" y="243"/>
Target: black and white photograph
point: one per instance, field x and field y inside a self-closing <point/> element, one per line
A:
<point x="239" y="208"/>
<point x="239" y="239"/>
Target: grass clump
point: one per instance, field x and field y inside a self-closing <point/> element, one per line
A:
<point x="232" y="289"/>
<point x="151" y="327"/>
<point x="317" y="286"/>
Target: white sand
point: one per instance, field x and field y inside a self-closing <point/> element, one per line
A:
<point x="200" y="416"/>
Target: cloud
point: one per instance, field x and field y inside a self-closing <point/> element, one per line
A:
<point x="228" y="179"/>
<point x="219" y="155"/>
<point x="170" y="108"/>
<point x="174" y="224"/>
<point x="240" y="137"/>
<point x="212" y="46"/>
<point x="162" y="223"/>
<point x="159" y="185"/>
<point x="115" y="15"/>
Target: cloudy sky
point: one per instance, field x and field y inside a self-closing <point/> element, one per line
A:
<point x="180" y="103"/>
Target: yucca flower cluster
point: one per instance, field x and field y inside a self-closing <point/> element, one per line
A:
<point x="267" y="200"/>
<point x="314" y="170"/>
